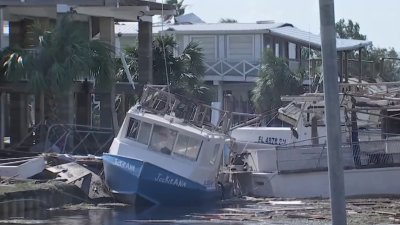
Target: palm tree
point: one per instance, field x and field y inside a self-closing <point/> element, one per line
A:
<point x="179" y="8"/>
<point x="182" y="72"/>
<point x="275" y="79"/>
<point x="65" y="54"/>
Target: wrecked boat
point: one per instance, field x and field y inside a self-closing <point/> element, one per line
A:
<point x="292" y="161"/>
<point x="167" y="151"/>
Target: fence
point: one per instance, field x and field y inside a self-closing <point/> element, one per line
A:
<point x="78" y="139"/>
<point x="363" y="154"/>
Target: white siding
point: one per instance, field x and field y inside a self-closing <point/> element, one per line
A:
<point x="208" y="45"/>
<point x="241" y="47"/>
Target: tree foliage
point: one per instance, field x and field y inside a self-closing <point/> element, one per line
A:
<point x="183" y="72"/>
<point x="388" y="71"/>
<point x="349" y="30"/>
<point x="65" y="54"/>
<point x="227" y="20"/>
<point x="275" y="80"/>
<point x="179" y="8"/>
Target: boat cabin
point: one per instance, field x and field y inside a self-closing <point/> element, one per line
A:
<point x="166" y="140"/>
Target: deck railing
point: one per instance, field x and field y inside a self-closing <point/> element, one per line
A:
<point x="358" y="155"/>
<point x="227" y="67"/>
<point x="158" y="100"/>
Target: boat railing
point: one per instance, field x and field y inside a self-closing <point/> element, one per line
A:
<point x="357" y="155"/>
<point x="157" y="99"/>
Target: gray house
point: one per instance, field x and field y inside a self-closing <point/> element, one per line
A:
<point x="233" y="52"/>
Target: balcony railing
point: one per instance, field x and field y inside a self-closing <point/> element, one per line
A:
<point x="231" y="68"/>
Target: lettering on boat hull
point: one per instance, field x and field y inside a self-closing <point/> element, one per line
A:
<point x="124" y="165"/>
<point x="165" y="179"/>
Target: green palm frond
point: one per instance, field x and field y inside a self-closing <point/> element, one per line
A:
<point x="275" y="79"/>
<point x="64" y="54"/>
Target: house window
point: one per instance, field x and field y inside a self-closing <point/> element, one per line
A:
<point x="163" y="139"/>
<point x="240" y="47"/>
<point x="208" y="44"/>
<point x="187" y="147"/>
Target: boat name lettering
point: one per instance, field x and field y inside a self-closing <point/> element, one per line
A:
<point x="170" y="180"/>
<point x="124" y="165"/>
<point x="271" y="140"/>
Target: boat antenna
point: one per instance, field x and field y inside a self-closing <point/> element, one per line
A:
<point x="164" y="55"/>
<point x="309" y="61"/>
<point x="163" y="45"/>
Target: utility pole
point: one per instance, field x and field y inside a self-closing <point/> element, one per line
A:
<point x="332" y="113"/>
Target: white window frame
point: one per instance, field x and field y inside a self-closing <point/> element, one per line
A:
<point x="228" y="54"/>
<point x="206" y="36"/>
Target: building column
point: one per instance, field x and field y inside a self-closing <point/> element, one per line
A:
<point x="107" y="34"/>
<point x="66" y="107"/>
<point x="220" y="92"/>
<point x="218" y="104"/>
<point x="18" y="117"/>
<point x="359" y="65"/>
<point x="340" y="68"/>
<point x="145" y="50"/>
<point x="2" y="118"/>
<point x="345" y="67"/>
<point x="83" y="104"/>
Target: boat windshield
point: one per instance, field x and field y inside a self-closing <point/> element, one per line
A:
<point x="163" y="139"/>
<point x="187" y="147"/>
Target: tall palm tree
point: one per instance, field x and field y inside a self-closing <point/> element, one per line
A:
<point x="179" y="8"/>
<point x="275" y="79"/>
<point x="182" y="72"/>
<point x="65" y="54"/>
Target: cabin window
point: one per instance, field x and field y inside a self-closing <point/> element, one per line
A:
<point x="139" y="131"/>
<point x="133" y="128"/>
<point x="187" y="147"/>
<point x="144" y="133"/>
<point x="163" y="139"/>
<point x="214" y="154"/>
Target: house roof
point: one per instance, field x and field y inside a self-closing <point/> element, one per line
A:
<point x="306" y="38"/>
<point x="283" y="30"/>
<point x="207" y="28"/>
<point x="189" y="18"/>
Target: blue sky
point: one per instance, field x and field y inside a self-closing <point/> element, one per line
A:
<point x="377" y="19"/>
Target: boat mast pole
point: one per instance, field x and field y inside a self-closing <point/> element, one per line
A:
<point x="332" y="112"/>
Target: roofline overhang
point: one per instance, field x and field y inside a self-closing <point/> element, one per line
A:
<point x="151" y="5"/>
<point x="317" y="46"/>
<point x="128" y="10"/>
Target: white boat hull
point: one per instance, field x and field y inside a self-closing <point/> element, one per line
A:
<point x="358" y="182"/>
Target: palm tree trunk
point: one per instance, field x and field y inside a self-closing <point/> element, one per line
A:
<point x="50" y="106"/>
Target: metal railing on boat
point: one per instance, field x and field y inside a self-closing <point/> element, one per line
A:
<point x="157" y="99"/>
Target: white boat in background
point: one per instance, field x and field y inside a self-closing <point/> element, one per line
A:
<point x="167" y="152"/>
<point x="291" y="162"/>
<point x="23" y="167"/>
